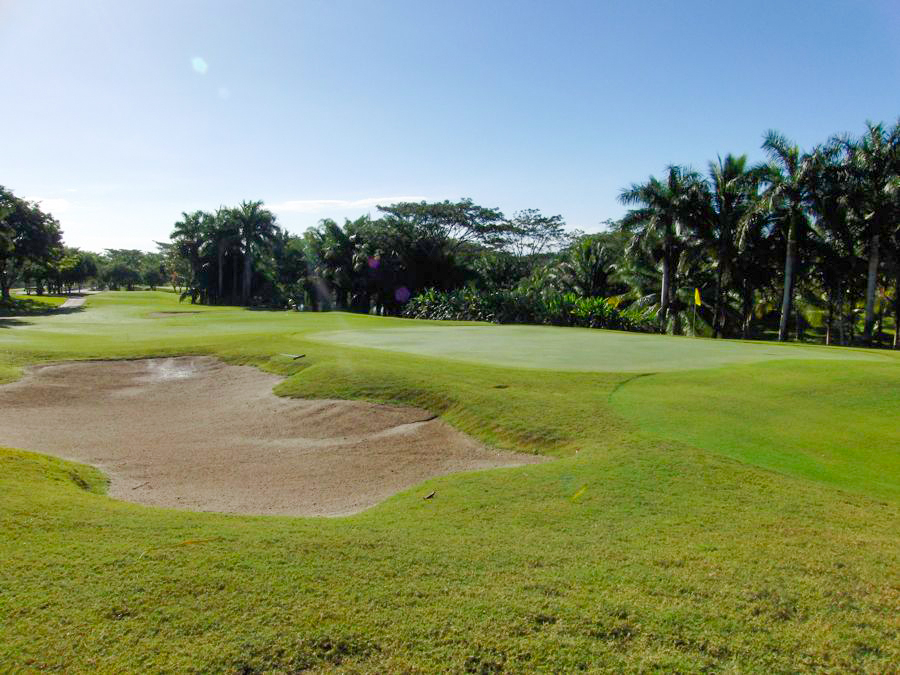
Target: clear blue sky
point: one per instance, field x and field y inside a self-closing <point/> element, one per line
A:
<point x="120" y="115"/>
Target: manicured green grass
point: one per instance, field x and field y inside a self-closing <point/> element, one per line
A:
<point x="640" y="548"/>
<point x="821" y="421"/>
<point x="554" y="348"/>
<point x="48" y="300"/>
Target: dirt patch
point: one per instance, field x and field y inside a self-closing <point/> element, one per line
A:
<point x="165" y="315"/>
<point x="194" y="433"/>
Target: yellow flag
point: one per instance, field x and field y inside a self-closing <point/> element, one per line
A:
<point x="697" y="296"/>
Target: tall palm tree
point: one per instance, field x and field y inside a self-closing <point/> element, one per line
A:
<point x="836" y="249"/>
<point x="894" y="265"/>
<point x="334" y="251"/>
<point x="664" y="210"/>
<point x="222" y="233"/>
<point x="785" y="197"/>
<point x="256" y="228"/>
<point x="875" y="159"/>
<point x="188" y="236"/>
<point x="755" y="265"/>
<point x="894" y="246"/>
<point x="733" y="187"/>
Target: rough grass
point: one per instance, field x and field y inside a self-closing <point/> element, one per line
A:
<point x="639" y="549"/>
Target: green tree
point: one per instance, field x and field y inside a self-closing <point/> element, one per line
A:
<point x="665" y="209"/>
<point x="122" y="267"/>
<point x="188" y="236"/>
<point x="27" y="236"/>
<point x="585" y="268"/>
<point x="257" y="230"/>
<point x="530" y="233"/>
<point x="449" y="225"/>
<point x="835" y="250"/>
<point x="733" y="187"/>
<point x="333" y="257"/>
<point x="785" y="198"/>
<point x="875" y="162"/>
<point x="222" y="234"/>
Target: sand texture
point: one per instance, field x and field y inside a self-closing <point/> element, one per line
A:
<point x="195" y="433"/>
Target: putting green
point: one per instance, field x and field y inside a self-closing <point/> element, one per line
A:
<point x="578" y="349"/>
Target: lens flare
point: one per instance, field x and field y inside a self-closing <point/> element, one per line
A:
<point x="401" y="294"/>
<point x="199" y="65"/>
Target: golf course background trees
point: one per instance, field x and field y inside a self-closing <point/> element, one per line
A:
<point x="805" y="245"/>
<point x="30" y="241"/>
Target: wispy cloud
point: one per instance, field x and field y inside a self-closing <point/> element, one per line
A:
<point x="321" y="205"/>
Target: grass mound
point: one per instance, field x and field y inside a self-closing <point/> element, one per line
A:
<point x="825" y="422"/>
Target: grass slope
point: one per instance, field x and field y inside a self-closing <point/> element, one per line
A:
<point x="555" y="348"/>
<point x="821" y="421"/>
<point x="638" y="549"/>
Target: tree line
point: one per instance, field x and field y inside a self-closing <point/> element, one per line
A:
<point x="816" y="230"/>
<point x="33" y="255"/>
<point x="805" y="245"/>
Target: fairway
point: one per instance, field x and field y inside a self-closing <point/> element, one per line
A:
<point x="738" y="517"/>
<point x="578" y="349"/>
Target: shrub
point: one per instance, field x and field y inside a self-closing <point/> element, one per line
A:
<point x="523" y="306"/>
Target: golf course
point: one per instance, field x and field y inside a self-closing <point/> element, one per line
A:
<point x="498" y="498"/>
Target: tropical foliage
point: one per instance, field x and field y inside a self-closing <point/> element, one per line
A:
<point x="519" y="306"/>
<point x="805" y="245"/>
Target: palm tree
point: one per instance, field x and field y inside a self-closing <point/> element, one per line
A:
<point x="664" y="211"/>
<point x="836" y="246"/>
<point x="337" y="260"/>
<point x="585" y="269"/>
<point x="222" y="233"/>
<point x="756" y="265"/>
<point x="895" y="267"/>
<point x="785" y="198"/>
<point x="733" y="187"/>
<point x="875" y="160"/>
<point x="256" y="228"/>
<point x="188" y="236"/>
<point x="894" y="247"/>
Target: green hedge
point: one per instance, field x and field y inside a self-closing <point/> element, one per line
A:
<point x="516" y="306"/>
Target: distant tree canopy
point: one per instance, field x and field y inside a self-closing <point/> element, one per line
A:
<point x="32" y="254"/>
<point x="30" y="240"/>
<point x="806" y="244"/>
<point x="807" y="240"/>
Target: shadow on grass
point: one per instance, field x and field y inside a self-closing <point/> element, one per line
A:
<point x="7" y="322"/>
<point x="11" y="312"/>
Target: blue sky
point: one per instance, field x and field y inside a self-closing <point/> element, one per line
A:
<point x="120" y="115"/>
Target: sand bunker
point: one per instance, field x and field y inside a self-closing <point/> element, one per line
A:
<point x="194" y="433"/>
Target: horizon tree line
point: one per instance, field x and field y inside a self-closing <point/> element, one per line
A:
<point x="805" y="240"/>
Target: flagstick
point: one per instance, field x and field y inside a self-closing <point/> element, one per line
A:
<point x="694" y="321"/>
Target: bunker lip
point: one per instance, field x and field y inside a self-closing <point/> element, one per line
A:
<point x="194" y="433"/>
